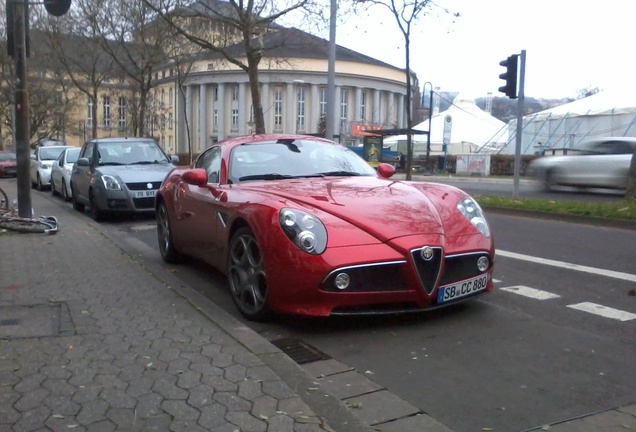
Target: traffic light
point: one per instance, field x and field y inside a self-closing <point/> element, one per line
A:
<point x="510" y="76"/>
<point x="57" y="7"/>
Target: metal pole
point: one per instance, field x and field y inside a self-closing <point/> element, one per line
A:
<point x="330" y="113"/>
<point x="21" y="109"/>
<point x="517" y="165"/>
<point x="428" y="135"/>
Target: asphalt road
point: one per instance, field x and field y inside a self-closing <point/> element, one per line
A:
<point x="535" y="351"/>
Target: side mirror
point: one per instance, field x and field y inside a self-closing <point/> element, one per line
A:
<point x="174" y="159"/>
<point x="33" y="157"/>
<point x="386" y="170"/>
<point x="196" y="177"/>
<point x="83" y="162"/>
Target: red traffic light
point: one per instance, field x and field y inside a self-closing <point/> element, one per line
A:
<point x="57" y="7"/>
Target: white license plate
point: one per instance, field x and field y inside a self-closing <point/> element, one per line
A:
<point x="461" y="289"/>
<point x="145" y="194"/>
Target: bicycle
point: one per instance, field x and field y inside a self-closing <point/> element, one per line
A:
<point x="9" y="220"/>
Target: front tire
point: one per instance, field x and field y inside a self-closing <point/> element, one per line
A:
<point x="66" y="196"/>
<point x="40" y="186"/>
<point x="246" y="276"/>
<point x="99" y="215"/>
<point x="164" y="236"/>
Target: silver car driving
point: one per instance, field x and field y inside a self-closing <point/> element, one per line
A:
<point x="598" y="163"/>
<point x="118" y="175"/>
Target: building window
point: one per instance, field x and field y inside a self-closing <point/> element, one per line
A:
<point x="215" y="119"/>
<point x="106" y="110"/>
<point x="323" y="101"/>
<point x="235" y="119"/>
<point x="278" y="109"/>
<point x="235" y="93"/>
<point x="344" y="104"/>
<point x="170" y="121"/>
<point x="89" y="117"/>
<point x="170" y="98"/>
<point x="216" y="93"/>
<point x="163" y="98"/>
<point x="300" y="109"/>
<point x="363" y="106"/>
<point x="122" y="113"/>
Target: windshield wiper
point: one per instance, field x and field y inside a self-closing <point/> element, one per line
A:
<point x="146" y="162"/>
<point x="339" y="173"/>
<point x="110" y="163"/>
<point x="266" y="177"/>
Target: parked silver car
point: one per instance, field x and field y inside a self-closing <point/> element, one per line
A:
<point x="119" y="175"/>
<point x="61" y="172"/>
<point x="598" y="163"/>
<point x="41" y="162"/>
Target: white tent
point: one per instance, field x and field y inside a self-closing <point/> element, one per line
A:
<point x="471" y="130"/>
<point x="603" y="114"/>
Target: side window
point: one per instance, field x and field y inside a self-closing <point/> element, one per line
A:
<point x="211" y="162"/>
<point x="87" y="152"/>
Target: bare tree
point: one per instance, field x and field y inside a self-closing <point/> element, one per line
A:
<point x="229" y="22"/>
<point x="136" y="43"/>
<point x="406" y="13"/>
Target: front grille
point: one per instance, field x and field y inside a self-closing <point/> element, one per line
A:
<point x="143" y="185"/>
<point x="460" y="267"/>
<point x="144" y="203"/>
<point x="369" y="278"/>
<point x="428" y="271"/>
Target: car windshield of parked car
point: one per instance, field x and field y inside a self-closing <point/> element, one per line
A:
<point x="72" y="155"/>
<point x="7" y="156"/>
<point x="130" y="153"/>
<point x="282" y="159"/>
<point x="50" y="153"/>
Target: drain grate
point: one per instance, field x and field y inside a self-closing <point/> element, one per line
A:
<point x="9" y="322"/>
<point x="299" y="351"/>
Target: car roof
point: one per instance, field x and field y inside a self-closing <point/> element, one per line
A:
<point x="246" y="139"/>
<point x="121" y="139"/>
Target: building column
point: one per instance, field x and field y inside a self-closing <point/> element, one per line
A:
<point x="338" y="102"/>
<point x="290" y="123"/>
<point x="221" y="111"/>
<point x="356" y="105"/>
<point x="400" y="111"/>
<point x="203" y="117"/>
<point x="266" y="104"/>
<point x="242" y="110"/>
<point x="313" y="109"/>
<point x="376" y="107"/>
<point x="189" y="117"/>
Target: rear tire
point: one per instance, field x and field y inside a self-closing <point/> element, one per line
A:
<point x="65" y="195"/>
<point x="53" y="191"/>
<point x="76" y="204"/>
<point x="164" y="236"/>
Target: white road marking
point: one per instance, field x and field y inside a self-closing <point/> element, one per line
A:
<point x="597" y="271"/>
<point x="530" y="292"/>
<point x="495" y="280"/>
<point x="604" y="311"/>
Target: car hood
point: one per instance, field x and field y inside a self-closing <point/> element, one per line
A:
<point x="385" y="208"/>
<point x="138" y="173"/>
<point x="8" y="163"/>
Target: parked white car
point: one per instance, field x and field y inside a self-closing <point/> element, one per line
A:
<point x="61" y="172"/>
<point x="598" y="163"/>
<point x="41" y="162"/>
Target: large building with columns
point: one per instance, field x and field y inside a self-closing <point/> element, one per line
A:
<point x="215" y="101"/>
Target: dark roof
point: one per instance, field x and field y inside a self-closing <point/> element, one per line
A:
<point x="292" y="42"/>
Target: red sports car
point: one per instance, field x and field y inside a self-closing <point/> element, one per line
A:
<point x="303" y="225"/>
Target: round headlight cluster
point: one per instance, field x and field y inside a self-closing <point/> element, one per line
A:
<point x="483" y="263"/>
<point x="342" y="281"/>
<point x="305" y="230"/>
<point x="471" y="210"/>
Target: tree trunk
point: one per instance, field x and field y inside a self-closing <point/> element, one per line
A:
<point x="631" y="179"/>
<point x="409" y="121"/>
<point x="252" y="72"/>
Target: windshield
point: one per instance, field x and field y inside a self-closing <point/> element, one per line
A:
<point x="130" y="153"/>
<point x="50" y="153"/>
<point x="294" y="158"/>
<point x="7" y="156"/>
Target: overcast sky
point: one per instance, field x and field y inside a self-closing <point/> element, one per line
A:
<point x="570" y="44"/>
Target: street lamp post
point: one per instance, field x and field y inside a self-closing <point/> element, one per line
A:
<point x="428" y="135"/>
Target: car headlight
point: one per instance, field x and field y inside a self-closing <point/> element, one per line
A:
<point x="305" y="230"/>
<point x="110" y="182"/>
<point x="471" y="210"/>
<point x="44" y="165"/>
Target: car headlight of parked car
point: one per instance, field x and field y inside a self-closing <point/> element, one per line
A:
<point x="471" y="210"/>
<point x="110" y="182"/>
<point x="305" y="230"/>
